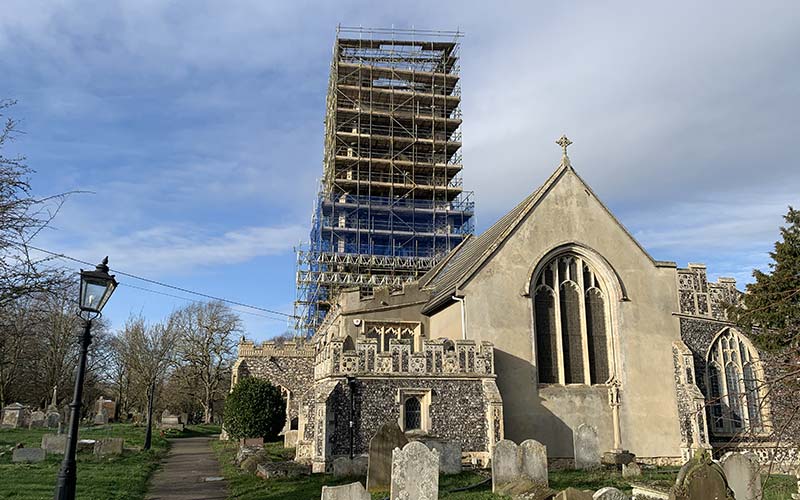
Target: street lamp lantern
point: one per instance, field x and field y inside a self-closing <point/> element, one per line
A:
<point x="96" y="288"/>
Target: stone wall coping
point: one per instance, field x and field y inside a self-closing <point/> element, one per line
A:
<point x="289" y="349"/>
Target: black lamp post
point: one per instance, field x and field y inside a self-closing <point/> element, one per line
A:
<point x="96" y="288"/>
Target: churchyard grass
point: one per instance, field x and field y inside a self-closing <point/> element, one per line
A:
<point x="119" y="478"/>
<point x="245" y="486"/>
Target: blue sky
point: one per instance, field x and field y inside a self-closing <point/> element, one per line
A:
<point x="198" y="126"/>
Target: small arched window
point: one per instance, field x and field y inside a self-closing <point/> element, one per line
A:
<point x="735" y="398"/>
<point x="570" y="323"/>
<point x="412" y="414"/>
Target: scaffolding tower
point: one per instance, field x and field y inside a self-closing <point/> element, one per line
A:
<point x="391" y="201"/>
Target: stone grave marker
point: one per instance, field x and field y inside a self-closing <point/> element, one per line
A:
<point x="352" y="491"/>
<point x="108" y="446"/>
<point x="101" y="418"/>
<point x="574" y="494"/>
<point x="587" y="447"/>
<point x="609" y="493"/>
<point x="54" y="443"/>
<point x="701" y="479"/>
<point x="533" y="456"/>
<point x="52" y="419"/>
<point x="28" y="455"/>
<point x="415" y="473"/>
<point x="379" y="468"/>
<point x="342" y="467"/>
<point x="15" y="415"/>
<point x="449" y="453"/>
<point x="37" y="420"/>
<point x="517" y="469"/>
<point x="742" y="472"/>
<point x="631" y="470"/>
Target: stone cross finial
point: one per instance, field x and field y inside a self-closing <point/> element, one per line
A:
<point x="564" y="142"/>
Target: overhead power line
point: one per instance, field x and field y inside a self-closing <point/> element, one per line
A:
<point x="167" y="285"/>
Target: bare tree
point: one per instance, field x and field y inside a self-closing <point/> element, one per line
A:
<point x="147" y="352"/>
<point x="207" y="341"/>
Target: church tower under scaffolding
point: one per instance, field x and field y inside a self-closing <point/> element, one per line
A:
<point x="391" y="201"/>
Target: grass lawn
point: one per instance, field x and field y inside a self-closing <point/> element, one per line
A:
<point x="122" y="477"/>
<point x="244" y="486"/>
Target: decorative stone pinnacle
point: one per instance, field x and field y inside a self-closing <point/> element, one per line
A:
<point x="564" y="142"/>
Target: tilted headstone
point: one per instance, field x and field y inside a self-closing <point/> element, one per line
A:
<point x="574" y="494"/>
<point x="415" y="473"/>
<point x="587" y="447"/>
<point x="352" y="491"/>
<point x="743" y="475"/>
<point x="701" y="479"/>
<point x="609" y="493"/>
<point x="379" y="468"/>
<point x="516" y="469"/>
<point x="28" y="455"/>
<point x="631" y="470"/>
<point x="54" y="443"/>
<point x="109" y="446"/>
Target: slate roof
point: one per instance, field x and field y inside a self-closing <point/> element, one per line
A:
<point x="466" y="258"/>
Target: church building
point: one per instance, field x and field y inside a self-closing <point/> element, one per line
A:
<point x="553" y="323"/>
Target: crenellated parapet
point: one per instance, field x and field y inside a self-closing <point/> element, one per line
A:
<point x="292" y="349"/>
<point x="439" y="357"/>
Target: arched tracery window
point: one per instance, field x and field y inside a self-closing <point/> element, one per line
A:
<point x="571" y="323"/>
<point x="735" y="392"/>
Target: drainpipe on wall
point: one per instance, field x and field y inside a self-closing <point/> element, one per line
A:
<point x="463" y="317"/>
<point x="351" y="383"/>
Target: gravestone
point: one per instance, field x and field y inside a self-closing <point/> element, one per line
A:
<point x="379" y="468"/>
<point x="85" y="445"/>
<point x="449" y="453"/>
<point x="609" y="493"/>
<point x="415" y="473"/>
<point x="54" y="443"/>
<point x="742" y="472"/>
<point x="587" y="447"/>
<point x="37" y="420"/>
<point x="342" y="467"/>
<point x="28" y="455"/>
<point x="574" y="494"/>
<point x="517" y="469"/>
<point x="52" y="419"/>
<point x="170" y="421"/>
<point x="101" y="418"/>
<point x="108" y="446"/>
<point x="360" y="464"/>
<point x="701" y="479"/>
<point x="534" y="461"/>
<point x="108" y="405"/>
<point x="15" y="415"/>
<point x="352" y="491"/>
<point x="631" y="470"/>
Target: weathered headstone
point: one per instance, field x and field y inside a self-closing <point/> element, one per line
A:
<point x="290" y="439"/>
<point x="743" y="475"/>
<point x="342" y="467"/>
<point x="574" y="494"/>
<point x="415" y="473"/>
<point x="101" y="418"/>
<point x="170" y="421"/>
<point x="609" y="493"/>
<point x="108" y="446"/>
<point x="587" y="447"/>
<point x="516" y="469"/>
<point x="53" y="419"/>
<point x="37" y="420"/>
<point x="379" y="468"/>
<point x="85" y="445"/>
<point x="533" y="456"/>
<point x="15" y="415"/>
<point x="28" y="455"/>
<point x="449" y="453"/>
<point x="631" y="470"/>
<point x="701" y="479"/>
<point x="352" y="491"/>
<point x="54" y="443"/>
